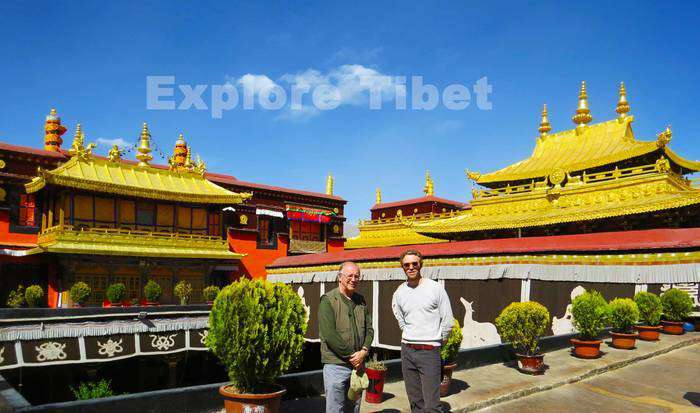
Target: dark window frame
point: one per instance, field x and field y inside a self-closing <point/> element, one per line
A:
<point x="15" y="227"/>
<point x="271" y="242"/>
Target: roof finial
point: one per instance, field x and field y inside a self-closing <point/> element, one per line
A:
<point x="144" y="156"/>
<point x="329" y="184"/>
<point x="663" y="138"/>
<point x="545" y="127"/>
<point x="583" y="114"/>
<point x="623" y="105"/>
<point x="78" y="141"/>
<point x="188" y="159"/>
<point x="179" y="153"/>
<point x="378" y="196"/>
<point x="429" y="188"/>
<point x="53" y="131"/>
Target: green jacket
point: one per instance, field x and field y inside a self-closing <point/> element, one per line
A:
<point x="345" y="326"/>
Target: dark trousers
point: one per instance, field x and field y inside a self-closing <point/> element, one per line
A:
<point x="422" y="375"/>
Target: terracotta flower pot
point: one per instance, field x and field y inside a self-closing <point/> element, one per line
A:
<point x="240" y="403"/>
<point x="531" y="364"/>
<point x="672" y="327"/>
<point x="649" y="333"/>
<point x="375" y="391"/>
<point x="446" y="381"/>
<point x="586" y="349"/>
<point x="623" y="341"/>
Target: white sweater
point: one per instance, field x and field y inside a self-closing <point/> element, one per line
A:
<point x="423" y="312"/>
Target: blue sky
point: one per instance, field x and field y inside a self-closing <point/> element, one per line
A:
<point x="90" y="61"/>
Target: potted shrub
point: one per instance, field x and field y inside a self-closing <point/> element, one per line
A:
<point x="16" y="297"/>
<point x="650" y="309"/>
<point x="152" y="292"/>
<point x="677" y="305"/>
<point x="256" y="329"/>
<point x="522" y="325"/>
<point x="115" y="294"/>
<point x="183" y="291"/>
<point x="34" y="295"/>
<point x="376" y="372"/>
<point x="589" y="311"/>
<point x="79" y="293"/>
<point x="448" y="354"/>
<point x="210" y="293"/>
<point x="624" y="314"/>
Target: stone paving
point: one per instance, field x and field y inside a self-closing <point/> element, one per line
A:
<point x="486" y="386"/>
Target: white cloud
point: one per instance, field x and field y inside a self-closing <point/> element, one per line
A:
<point x="111" y="142"/>
<point x="255" y="83"/>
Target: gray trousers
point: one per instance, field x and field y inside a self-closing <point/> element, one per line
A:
<point x="336" y="382"/>
<point x="422" y="375"/>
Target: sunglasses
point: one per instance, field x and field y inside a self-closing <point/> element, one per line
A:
<point x="408" y="265"/>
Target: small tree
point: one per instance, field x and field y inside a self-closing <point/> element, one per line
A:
<point x="677" y="304"/>
<point x="590" y="314"/>
<point x="624" y="315"/>
<point x="34" y="295"/>
<point x="80" y="292"/>
<point x="116" y="293"/>
<point x="211" y="292"/>
<point x="93" y="390"/>
<point x="650" y="308"/>
<point x="256" y="329"/>
<point x="152" y="291"/>
<point x="183" y="291"/>
<point x="522" y="325"/>
<point x="449" y="351"/>
<point x="16" y="297"/>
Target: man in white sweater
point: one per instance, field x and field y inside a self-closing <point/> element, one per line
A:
<point x="422" y="308"/>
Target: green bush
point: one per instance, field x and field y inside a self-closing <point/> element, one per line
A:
<point x="256" y="329"/>
<point x="650" y="308"/>
<point x="80" y="292"/>
<point x="211" y="292"/>
<point x="93" y="390"/>
<point x="590" y="314"/>
<point x="16" y="297"/>
<point x="34" y="295"/>
<point x="152" y="291"/>
<point x="522" y="325"/>
<point x="449" y="351"/>
<point x="624" y="314"/>
<point x="116" y="293"/>
<point x="677" y="304"/>
<point x="183" y="291"/>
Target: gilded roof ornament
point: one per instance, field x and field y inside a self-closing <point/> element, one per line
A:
<point x="329" y="184"/>
<point x="663" y="138"/>
<point x="114" y="155"/>
<point x="623" y="106"/>
<point x="199" y="167"/>
<point x="144" y="156"/>
<point x="474" y="176"/>
<point x="429" y="188"/>
<point x="179" y="154"/>
<point x="545" y="127"/>
<point x="583" y="114"/>
<point x="188" y="159"/>
<point x="53" y="131"/>
<point x="78" y="147"/>
<point x="378" y="196"/>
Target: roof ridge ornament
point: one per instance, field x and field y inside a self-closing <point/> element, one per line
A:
<point x="429" y="188"/>
<point x="177" y="161"/>
<point x="664" y="138"/>
<point x="623" y="106"/>
<point x="545" y="127"/>
<point x="583" y="114"/>
<point x="329" y="184"/>
<point x="78" y="147"/>
<point x="144" y="156"/>
<point x="115" y="154"/>
<point x="378" y="196"/>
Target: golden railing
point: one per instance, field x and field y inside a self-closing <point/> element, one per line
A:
<point x="305" y="246"/>
<point x="407" y="218"/>
<point x="51" y="233"/>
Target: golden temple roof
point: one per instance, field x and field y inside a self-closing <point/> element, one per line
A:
<point x="87" y="172"/>
<point x="606" y="194"/>
<point x="389" y="232"/>
<point x="579" y="149"/>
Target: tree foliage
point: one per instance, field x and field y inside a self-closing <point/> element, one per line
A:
<point x="152" y="291"/>
<point x="183" y="291"/>
<point x="256" y="329"/>
<point x="677" y="304"/>
<point x="116" y="293"/>
<point x="590" y="314"/>
<point x="93" y="390"/>
<point x="16" y="297"/>
<point x="624" y="314"/>
<point x="522" y="325"/>
<point x="34" y="295"/>
<point x="211" y="292"/>
<point x="650" y="308"/>
<point x="449" y="351"/>
<point x="80" y="292"/>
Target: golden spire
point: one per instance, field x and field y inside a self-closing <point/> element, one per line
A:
<point x="53" y="131"/>
<point x="623" y="105"/>
<point x="179" y="153"/>
<point x="144" y="156"/>
<point x="78" y="141"/>
<point x="545" y="127"/>
<point x="188" y="159"/>
<point x="378" y="195"/>
<point x="583" y="114"/>
<point x="429" y="188"/>
<point x="329" y="185"/>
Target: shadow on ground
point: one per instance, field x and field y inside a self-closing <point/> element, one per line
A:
<point x="693" y="397"/>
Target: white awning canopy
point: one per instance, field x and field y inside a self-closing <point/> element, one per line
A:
<point x="269" y="212"/>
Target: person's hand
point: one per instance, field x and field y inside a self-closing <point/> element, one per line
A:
<point x="358" y="358"/>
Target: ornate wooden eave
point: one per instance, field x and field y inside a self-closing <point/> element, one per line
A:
<point x="582" y="148"/>
<point x="91" y="173"/>
<point x="387" y="232"/>
<point x="562" y="198"/>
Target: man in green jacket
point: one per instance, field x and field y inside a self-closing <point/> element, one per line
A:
<point x="346" y="335"/>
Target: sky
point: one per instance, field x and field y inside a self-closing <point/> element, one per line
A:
<point x="91" y="61"/>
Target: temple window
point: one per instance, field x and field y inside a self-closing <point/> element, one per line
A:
<point x="266" y="237"/>
<point x="145" y="215"/>
<point x="27" y="209"/>
<point x="306" y="231"/>
<point x="165" y="218"/>
<point x="214" y="224"/>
